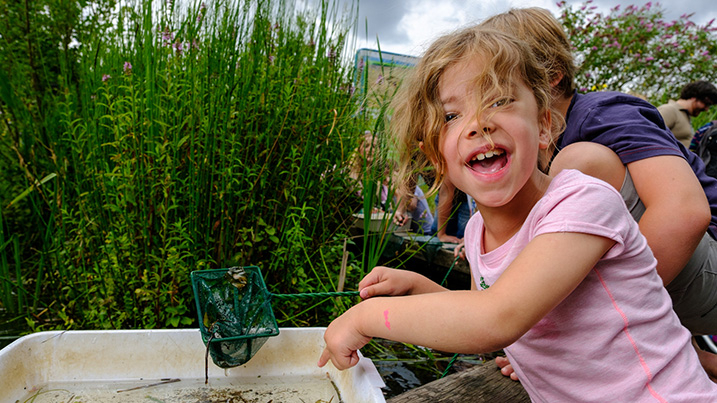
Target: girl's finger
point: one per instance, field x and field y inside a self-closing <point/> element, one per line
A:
<point x="324" y="357"/>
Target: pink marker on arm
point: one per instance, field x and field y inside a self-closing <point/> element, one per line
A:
<point x="385" y="315"/>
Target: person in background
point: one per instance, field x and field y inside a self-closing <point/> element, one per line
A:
<point x="623" y="140"/>
<point x="695" y="98"/>
<point x="569" y="284"/>
<point x="414" y="206"/>
<point x="453" y="210"/>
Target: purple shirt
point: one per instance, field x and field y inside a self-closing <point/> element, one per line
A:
<point x="634" y="130"/>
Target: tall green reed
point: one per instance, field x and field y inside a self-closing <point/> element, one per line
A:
<point x="182" y="139"/>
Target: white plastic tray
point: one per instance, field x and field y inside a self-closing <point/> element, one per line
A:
<point x="131" y="365"/>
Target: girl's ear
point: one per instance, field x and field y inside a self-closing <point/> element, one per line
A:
<point x="422" y="147"/>
<point x="556" y="80"/>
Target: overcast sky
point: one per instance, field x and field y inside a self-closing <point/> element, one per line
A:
<point x="409" y="26"/>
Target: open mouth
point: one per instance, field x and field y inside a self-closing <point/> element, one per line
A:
<point x="488" y="162"/>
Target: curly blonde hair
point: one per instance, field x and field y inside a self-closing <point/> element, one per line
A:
<point x="418" y="112"/>
<point x="547" y="40"/>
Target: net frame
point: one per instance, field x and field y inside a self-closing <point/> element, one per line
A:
<point x="234" y="322"/>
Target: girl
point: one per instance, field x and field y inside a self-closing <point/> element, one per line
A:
<point x="566" y="272"/>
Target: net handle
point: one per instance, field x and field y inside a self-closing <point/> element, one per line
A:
<point x="315" y="295"/>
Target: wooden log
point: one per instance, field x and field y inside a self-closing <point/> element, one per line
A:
<point x="481" y="383"/>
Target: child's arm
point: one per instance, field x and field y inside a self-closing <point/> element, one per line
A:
<point x="443" y="211"/>
<point x="675" y="208"/>
<point x="547" y="271"/>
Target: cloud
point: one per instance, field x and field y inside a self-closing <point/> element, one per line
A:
<point x="408" y="27"/>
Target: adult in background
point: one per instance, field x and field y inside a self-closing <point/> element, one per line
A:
<point x="695" y="98"/>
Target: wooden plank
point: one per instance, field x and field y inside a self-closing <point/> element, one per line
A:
<point x="481" y="383"/>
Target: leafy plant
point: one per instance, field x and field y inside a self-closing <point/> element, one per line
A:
<point x="164" y="140"/>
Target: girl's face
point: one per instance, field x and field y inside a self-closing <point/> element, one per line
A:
<point x="493" y="171"/>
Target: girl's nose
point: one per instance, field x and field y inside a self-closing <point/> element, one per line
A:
<point x="479" y="127"/>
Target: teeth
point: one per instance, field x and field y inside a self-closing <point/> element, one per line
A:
<point x="487" y="154"/>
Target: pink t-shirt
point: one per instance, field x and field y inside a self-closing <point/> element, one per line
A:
<point x="615" y="337"/>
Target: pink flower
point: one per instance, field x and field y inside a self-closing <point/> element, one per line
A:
<point x="127" y="68"/>
<point x="106" y="77"/>
<point x="167" y="36"/>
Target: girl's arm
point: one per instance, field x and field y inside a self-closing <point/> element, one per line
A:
<point x="545" y="272"/>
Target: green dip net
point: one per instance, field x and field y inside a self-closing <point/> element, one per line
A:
<point x="235" y="315"/>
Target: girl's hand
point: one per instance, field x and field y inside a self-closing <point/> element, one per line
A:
<point x="384" y="281"/>
<point x="505" y="368"/>
<point x="343" y="340"/>
<point x="399" y="218"/>
<point x="460" y="250"/>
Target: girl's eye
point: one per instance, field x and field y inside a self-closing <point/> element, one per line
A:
<point x="501" y="102"/>
<point x="450" y="116"/>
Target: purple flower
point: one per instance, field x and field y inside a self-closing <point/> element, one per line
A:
<point x="127" y="68"/>
<point x="106" y="77"/>
<point x="200" y="14"/>
<point x="649" y="58"/>
<point x="331" y="53"/>
<point x="167" y="36"/>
